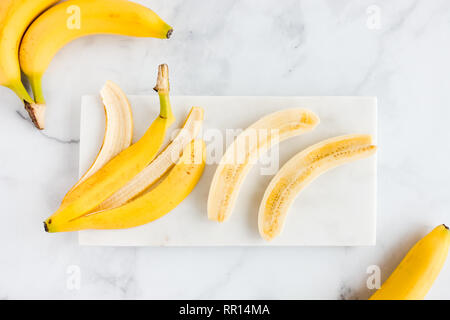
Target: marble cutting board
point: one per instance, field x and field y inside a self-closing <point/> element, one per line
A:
<point x="338" y="209"/>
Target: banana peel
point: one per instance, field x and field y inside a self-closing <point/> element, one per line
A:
<point x="122" y="168"/>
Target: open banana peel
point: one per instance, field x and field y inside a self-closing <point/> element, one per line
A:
<point x="121" y="173"/>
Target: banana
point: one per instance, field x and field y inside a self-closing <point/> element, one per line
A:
<point x="73" y="19"/>
<point x="163" y="162"/>
<point x="415" y="275"/>
<point x="245" y="150"/>
<point x="121" y="169"/>
<point x="15" y="17"/>
<point x="301" y="170"/>
<point x="118" y="130"/>
<point x="179" y="183"/>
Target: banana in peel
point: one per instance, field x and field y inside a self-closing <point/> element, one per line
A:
<point x="415" y="275"/>
<point x="245" y="150"/>
<point x="301" y="170"/>
<point x="178" y="184"/>
<point x="162" y="163"/>
<point x="54" y="29"/>
<point x="118" y="130"/>
<point x="121" y="169"/>
<point x="15" y="17"/>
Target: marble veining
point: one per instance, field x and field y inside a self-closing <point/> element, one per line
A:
<point x="246" y="47"/>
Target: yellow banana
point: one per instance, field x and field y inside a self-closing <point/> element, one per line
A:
<point x="179" y="183"/>
<point x="15" y="17"/>
<point x="121" y="169"/>
<point x="301" y="170"/>
<point x="118" y="130"/>
<point x="415" y="275"/>
<point x="73" y="19"/>
<point x="245" y="150"/>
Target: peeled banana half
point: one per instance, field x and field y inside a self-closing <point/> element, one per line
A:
<point x="301" y="170"/>
<point x="245" y="150"/>
<point x="179" y="183"/>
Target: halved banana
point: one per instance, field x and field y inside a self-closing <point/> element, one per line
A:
<point x="118" y="129"/>
<point x="153" y="205"/>
<point x="245" y="150"/>
<point x="165" y="161"/>
<point x="301" y="170"/>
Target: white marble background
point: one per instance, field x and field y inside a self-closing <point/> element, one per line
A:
<point x="245" y="47"/>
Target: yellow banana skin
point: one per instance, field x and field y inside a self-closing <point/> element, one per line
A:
<point x="15" y="17"/>
<point x="179" y="183"/>
<point x="121" y="169"/>
<point x="415" y="275"/>
<point x="73" y="19"/>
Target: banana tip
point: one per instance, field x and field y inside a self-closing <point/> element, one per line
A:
<point x="445" y="226"/>
<point x="169" y="33"/>
<point x="45" y="226"/>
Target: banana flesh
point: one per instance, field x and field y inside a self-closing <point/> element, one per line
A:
<point x="15" y="17"/>
<point x="179" y="183"/>
<point x="121" y="169"/>
<point x="415" y="275"/>
<point x="301" y="170"/>
<point x="245" y="150"/>
<point x="52" y="30"/>
<point x="163" y="162"/>
<point x="118" y="130"/>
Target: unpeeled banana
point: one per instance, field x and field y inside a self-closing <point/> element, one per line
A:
<point x="73" y="19"/>
<point x="301" y="170"/>
<point x="245" y="150"/>
<point x="121" y="169"/>
<point x="415" y="275"/>
<point x="15" y="17"/>
<point x="179" y="183"/>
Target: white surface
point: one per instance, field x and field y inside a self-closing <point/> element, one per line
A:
<point x="257" y="47"/>
<point x="339" y="209"/>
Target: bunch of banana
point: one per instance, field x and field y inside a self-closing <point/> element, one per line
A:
<point x="110" y="196"/>
<point x="46" y="33"/>
<point x="415" y="275"/>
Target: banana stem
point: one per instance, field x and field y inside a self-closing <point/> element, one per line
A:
<point x="163" y="89"/>
<point x="36" y="86"/>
